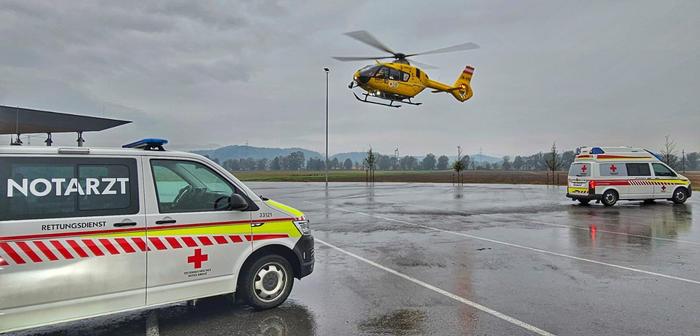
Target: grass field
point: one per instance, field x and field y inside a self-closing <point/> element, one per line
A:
<point x="471" y="176"/>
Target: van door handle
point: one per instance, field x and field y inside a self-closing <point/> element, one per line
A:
<point x="122" y="224"/>
<point x="166" y="221"/>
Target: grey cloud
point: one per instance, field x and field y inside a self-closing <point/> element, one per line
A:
<point x="236" y="71"/>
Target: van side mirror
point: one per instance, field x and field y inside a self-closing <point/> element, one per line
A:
<point x="237" y="202"/>
<point x="233" y="202"/>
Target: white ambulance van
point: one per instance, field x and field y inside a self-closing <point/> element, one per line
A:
<point x="87" y="232"/>
<point x="609" y="174"/>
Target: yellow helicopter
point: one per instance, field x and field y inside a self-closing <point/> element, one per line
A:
<point x="399" y="81"/>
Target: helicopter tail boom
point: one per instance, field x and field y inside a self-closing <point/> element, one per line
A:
<point x="461" y="89"/>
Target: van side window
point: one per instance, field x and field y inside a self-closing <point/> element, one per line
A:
<point x="661" y="170"/>
<point x="188" y="186"/>
<point x="55" y="187"/>
<point x="613" y="169"/>
<point x="89" y="175"/>
<point x="638" y="169"/>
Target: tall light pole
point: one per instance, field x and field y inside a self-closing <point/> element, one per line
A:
<point x="327" y="71"/>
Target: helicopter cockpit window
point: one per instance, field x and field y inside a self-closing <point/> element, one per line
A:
<point x="369" y="70"/>
<point x="394" y="74"/>
<point x="406" y="76"/>
<point x="383" y="73"/>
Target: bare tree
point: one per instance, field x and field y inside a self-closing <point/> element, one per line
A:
<point x="552" y="160"/>
<point x="458" y="166"/>
<point x="370" y="162"/>
<point x="668" y="152"/>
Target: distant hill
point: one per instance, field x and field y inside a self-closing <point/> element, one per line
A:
<point x="244" y="152"/>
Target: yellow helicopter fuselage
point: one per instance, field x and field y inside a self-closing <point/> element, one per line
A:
<point x="399" y="81"/>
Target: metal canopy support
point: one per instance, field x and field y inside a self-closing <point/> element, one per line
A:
<point x="80" y="140"/>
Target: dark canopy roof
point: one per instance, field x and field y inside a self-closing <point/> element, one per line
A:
<point x="17" y="120"/>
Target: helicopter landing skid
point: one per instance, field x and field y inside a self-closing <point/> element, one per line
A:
<point x="408" y="101"/>
<point x="391" y="103"/>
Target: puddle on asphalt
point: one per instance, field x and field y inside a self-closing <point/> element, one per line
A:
<point x="398" y="322"/>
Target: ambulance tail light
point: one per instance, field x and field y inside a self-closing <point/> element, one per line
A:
<point x="591" y="187"/>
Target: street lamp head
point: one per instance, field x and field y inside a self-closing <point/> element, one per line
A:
<point x="326" y="69"/>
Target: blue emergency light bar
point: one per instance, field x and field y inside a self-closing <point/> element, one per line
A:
<point x="148" y="144"/>
<point x="597" y="150"/>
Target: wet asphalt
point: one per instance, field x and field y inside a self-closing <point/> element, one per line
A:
<point x="437" y="259"/>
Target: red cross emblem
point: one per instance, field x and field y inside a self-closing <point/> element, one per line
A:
<point x="584" y="168"/>
<point x="197" y="259"/>
<point x="613" y="168"/>
<point x="663" y="187"/>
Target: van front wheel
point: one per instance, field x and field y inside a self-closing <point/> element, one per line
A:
<point x="610" y="197"/>
<point x="267" y="282"/>
<point x="680" y="196"/>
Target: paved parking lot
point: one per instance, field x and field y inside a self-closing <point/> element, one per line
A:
<point x="418" y="259"/>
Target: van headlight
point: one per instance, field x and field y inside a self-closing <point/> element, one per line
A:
<point x="302" y="225"/>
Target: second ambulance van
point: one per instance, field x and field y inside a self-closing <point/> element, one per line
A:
<point x="609" y="174"/>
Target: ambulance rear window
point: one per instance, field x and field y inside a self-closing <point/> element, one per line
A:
<point x="580" y="169"/>
<point x="54" y="187"/>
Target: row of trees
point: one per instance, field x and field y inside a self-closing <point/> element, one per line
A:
<point x="552" y="160"/>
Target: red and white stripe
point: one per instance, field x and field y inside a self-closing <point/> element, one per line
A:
<point x="633" y="182"/>
<point x="469" y="69"/>
<point x="38" y="251"/>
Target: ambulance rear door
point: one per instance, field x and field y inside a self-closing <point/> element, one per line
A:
<point x="579" y="173"/>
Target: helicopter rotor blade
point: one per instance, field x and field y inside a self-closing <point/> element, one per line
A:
<point x="422" y="65"/>
<point x="350" y="59"/>
<point x="459" y="47"/>
<point x="367" y="38"/>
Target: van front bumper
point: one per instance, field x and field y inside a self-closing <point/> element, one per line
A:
<point x="304" y="250"/>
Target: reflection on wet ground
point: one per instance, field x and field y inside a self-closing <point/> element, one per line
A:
<point x="522" y="251"/>
<point x="210" y="316"/>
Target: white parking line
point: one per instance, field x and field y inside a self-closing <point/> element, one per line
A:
<point x="631" y="269"/>
<point x="455" y="297"/>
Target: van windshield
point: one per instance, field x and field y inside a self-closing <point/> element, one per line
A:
<point x="580" y="169"/>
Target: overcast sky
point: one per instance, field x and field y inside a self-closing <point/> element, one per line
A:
<point x="210" y="73"/>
